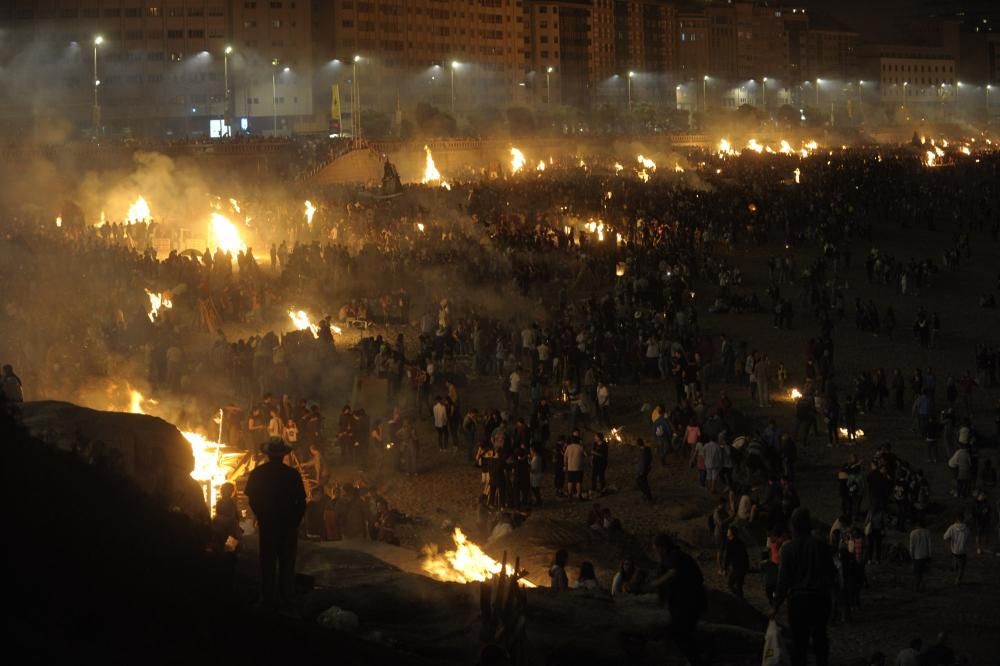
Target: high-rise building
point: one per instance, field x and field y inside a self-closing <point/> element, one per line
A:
<point x="272" y="80"/>
<point x="124" y="66"/>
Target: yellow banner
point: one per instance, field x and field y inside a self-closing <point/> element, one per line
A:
<point x="335" y="105"/>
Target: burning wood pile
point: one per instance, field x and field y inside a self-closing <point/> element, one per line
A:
<point x="467" y="563"/>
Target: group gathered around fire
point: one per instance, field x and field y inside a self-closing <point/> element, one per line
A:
<point x="596" y="347"/>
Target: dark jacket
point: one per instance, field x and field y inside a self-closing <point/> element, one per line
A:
<point x="276" y="495"/>
<point x="806" y="566"/>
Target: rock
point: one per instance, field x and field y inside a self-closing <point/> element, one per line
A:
<point x="338" y="619"/>
<point x="146" y="448"/>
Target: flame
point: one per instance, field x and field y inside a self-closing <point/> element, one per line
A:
<point x="615" y="435"/>
<point x="644" y="176"/>
<point x="600" y="232"/>
<point x="726" y="148"/>
<point x="310" y="211"/>
<point x="965" y="150"/>
<point x="517" y="160"/>
<point x="302" y="322"/>
<point x="103" y="220"/>
<point x="58" y="220"/>
<point x="156" y="301"/>
<point x="858" y="432"/>
<point x="618" y="167"/>
<point x="755" y="146"/>
<point x="466" y="564"/>
<point x="540" y="166"/>
<point x="938" y="151"/>
<point x="138" y="211"/>
<point x="798" y="174"/>
<point x="235" y="204"/>
<point x="931" y="158"/>
<point x="678" y="168"/>
<point x="794" y="394"/>
<point x="647" y="163"/>
<point x="421" y="227"/>
<point x="431" y="173"/>
<point x="227" y="237"/>
<point x="785" y="148"/>
<point x="135" y="402"/>
<point x="212" y="467"/>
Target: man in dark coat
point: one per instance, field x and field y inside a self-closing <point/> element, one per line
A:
<point x="681" y="587"/>
<point x="278" y="499"/>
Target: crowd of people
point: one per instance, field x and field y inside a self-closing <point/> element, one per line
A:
<point x="578" y="298"/>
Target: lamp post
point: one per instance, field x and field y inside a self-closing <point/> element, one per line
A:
<point x="989" y="87"/>
<point x="763" y="92"/>
<point x="274" y="95"/>
<point x="817" y="95"/>
<point x="548" y="86"/>
<point x="677" y="97"/>
<point x="356" y="101"/>
<point x="704" y="93"/>
<point x="454" y="66"/>
<point x="630" y="75"/>
<point x="227" y="115"/>
<point x="98" y="40"/>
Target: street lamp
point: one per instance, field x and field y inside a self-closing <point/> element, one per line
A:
<point x="630" y="75"/>
<point x="454" y="66"/>
<point x="226" y="116"/>
<point x="817" y="94"/>
<point x="548" y="86"/>
<point x="677" y="97"/>
<point x="763" y="92"/>
<point x="274" y="94"/>
<point x="98" y="40"/>
<point x="988" y="89"/>
<point x="356" y="101"/>
<point x="704" y="93"/>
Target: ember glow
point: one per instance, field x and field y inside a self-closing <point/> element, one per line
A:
<point x="643" y="176"/>
<point x="619" y="167"/>
<point x="794" y="394"/>
<point x="138" y="211"/>
<point x="58" y="220"/>
<point x="615" y="436"/>
<point x="678" y="168"/>
<point x="467" y="563"/>
<point x="540" y="166"/>
<point x="858" y="433"/>
<point x="310" y="211"/>
<point x="157" y="301"/>
<point x="227" y="237"/>
<point x="517" y="160"/>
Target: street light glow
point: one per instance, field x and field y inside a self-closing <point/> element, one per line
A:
<point x="357" y="58"/>
<point x="631" y="74"/>
<point x="549" y="70"/>
<point x="229" y="49"/>
<point x="98" y="40"/>
<point x="706" y="77"/>
<point x="455" y="64"/>
<point x="287" y="69"/>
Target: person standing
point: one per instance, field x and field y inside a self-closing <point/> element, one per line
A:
<point x="278" y="499"/>
<point x="599" y="464"/>
<point x="10" y="385"/>
<point x="735" y="562"/>
<point x="920" y="553"/>
<point x="644" y="463"/>
<point x="536" y="465"/>
<point x="574" y="467"/>
<point x="440" y="411"/>
<point x="514" y="391"/>
<point x="805" y="576"/>
<point x="957" y="535"/>
<point x="680" y="585"/>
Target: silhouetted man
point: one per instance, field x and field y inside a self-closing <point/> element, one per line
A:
<point x="278" y="499"/>
<point x="680" y="585"/>
<point x="804" y="578"/>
